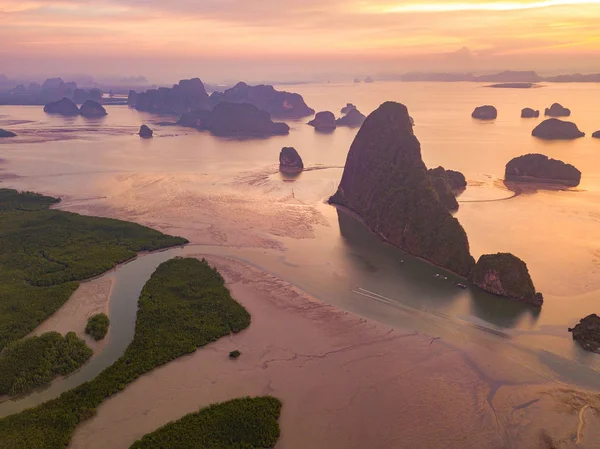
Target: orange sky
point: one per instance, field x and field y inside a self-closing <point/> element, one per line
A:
<point x="270" y="39"/>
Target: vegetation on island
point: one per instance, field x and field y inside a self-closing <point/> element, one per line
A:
<point x="44" y="253"/>
<point x="246" y="423"/>
<point x="97" y="326"/>
<point x="35" y="361"/>
<point x="234" y="354"/>
<point x="184" y="305"/>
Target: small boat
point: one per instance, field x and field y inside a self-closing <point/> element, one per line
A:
<point x="459" y="285"/>
<point x="436" y="275"/>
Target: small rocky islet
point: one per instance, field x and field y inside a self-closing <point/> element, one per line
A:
<point x="92" y="109"/>
<point x="290" y="161"/>
<point x="596" y="135"/>
<point x="486" y="112"/>
<point x="353" y="119"/>
<point x="557" y="110"/>
<point x="556" y="129"/>
<point x="67" y="108"/>
<point x="530" y="113"/>
<point x="542" y="169"/>
<point x="324" y="121"/>
<point x="5" y="133"/>
<point x="587" y="333"/>
<point x="145" y="132"/>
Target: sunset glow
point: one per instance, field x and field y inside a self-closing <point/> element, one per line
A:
<point x="440" y="35"/>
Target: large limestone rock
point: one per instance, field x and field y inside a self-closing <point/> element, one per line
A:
<point x="557" y="110"/>
<point x="353" y="119"/>
<point x="290" y="161"/>
<point x="146" y="132"/>
<point x="443" y="188"/>
<point x="504" y="274"/>
<point x="486" y="112"/>
<point x="92" y="109"/>
<point x="5" y="133"/>
<point x="234" y="120"/>
<point x="266" y="98"/>
<point x="555" y="129"/>
<point x="187" y="95"/>
<point x="530" y="113"/>
<point x="596" y="135"/>
<point x="540" y="168"/>
<point x="323" y="121"/>
<point x="457" y="180"/>
<point x="587" y="333"/>
<point x="385" y="182"/>
<point x="64" y="107"/>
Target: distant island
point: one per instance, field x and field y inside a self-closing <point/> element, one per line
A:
<point x="508" y="76"/>
<point x="514" y="85"/>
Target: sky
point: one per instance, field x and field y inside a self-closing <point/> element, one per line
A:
<point x="224" y="40"/>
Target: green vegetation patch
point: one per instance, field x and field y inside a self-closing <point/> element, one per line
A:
<point x="44" y="253"/>
<point x="248" y="423"/>
<point x="234" y="354"/>
<point x="184" y="305"/>
<point x="35" y="361"/>
<point x="97" y="326"/>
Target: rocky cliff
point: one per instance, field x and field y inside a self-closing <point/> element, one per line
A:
<point x="506" y="275"/>
<point x="385" y="182"/>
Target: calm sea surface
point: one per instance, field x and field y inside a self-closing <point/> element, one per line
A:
<point x="556" y="232"/>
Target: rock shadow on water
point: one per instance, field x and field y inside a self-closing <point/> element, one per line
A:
<point x="531" y="188"/>
<point x="412" y="280"/>
<point x="501" y="312"/>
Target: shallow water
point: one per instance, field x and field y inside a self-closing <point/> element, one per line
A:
<point x="330" y="254"/>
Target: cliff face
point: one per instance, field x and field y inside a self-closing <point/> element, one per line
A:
<point x="505" y="275"/>
<point x="385" y="182"/>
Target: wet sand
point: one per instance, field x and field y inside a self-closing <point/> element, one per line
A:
<point x="347" y="382"/>
<point x="90" y="298"/>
